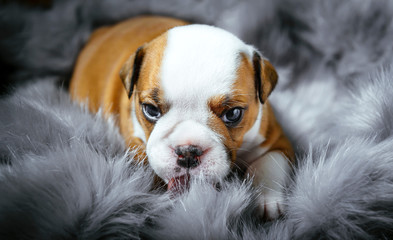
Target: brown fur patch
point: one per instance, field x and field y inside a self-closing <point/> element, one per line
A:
<point x="243" y="96"/>
<point x="275" y="138"/>
<point x="244" y="90"/>
<point x="148" y="88"/>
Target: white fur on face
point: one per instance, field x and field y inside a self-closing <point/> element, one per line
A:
<point x="199" y="62"/>
<point x="175" y="129"/>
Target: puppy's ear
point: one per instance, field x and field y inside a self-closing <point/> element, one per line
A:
<point x="129" y="73"/>
<point x="265" y="77"/>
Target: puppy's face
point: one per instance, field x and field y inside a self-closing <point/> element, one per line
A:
<point x="196" y="93"/>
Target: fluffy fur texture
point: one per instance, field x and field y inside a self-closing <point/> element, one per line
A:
<point x="66" y="174"/>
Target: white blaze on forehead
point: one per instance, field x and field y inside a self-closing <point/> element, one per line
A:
<point x="199" y="62"/>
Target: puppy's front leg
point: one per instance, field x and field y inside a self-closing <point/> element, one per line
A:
<point x="271" y="172"/>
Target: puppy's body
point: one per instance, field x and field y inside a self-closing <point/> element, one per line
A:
<point x="184" y="88"/>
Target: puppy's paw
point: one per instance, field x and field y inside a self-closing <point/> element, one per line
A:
<point x="271" y="205"/>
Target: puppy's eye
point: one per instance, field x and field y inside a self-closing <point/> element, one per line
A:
<point x="151" y="112"/>
<point x="233" y="116"/>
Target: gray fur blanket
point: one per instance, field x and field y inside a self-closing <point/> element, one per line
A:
<point x="66" y="174"/>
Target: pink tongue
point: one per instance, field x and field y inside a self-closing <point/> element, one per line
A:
<point x="178" y="185"/>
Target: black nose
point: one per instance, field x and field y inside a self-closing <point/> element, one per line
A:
<point x="188" y="156"/>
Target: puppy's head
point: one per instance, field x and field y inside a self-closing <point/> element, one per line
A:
<point x="196" y="92"/>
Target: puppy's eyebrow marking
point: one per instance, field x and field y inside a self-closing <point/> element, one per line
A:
<point x="154" y="95"/>
<point x="227" y="99"/>
<point x="231" y="101"/>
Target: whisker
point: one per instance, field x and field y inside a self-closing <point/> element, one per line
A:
<point x="270" y="189"/>
<point x="275" y="160"/>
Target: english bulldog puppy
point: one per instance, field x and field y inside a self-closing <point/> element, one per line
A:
<point x="191" y="99"/>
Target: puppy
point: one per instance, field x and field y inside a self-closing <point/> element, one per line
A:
<point x="192" y="99"/>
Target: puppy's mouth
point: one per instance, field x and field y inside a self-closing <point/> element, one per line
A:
<point x="177" y="185"/>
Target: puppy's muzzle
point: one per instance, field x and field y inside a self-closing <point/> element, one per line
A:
<point x="188" y="156"/>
